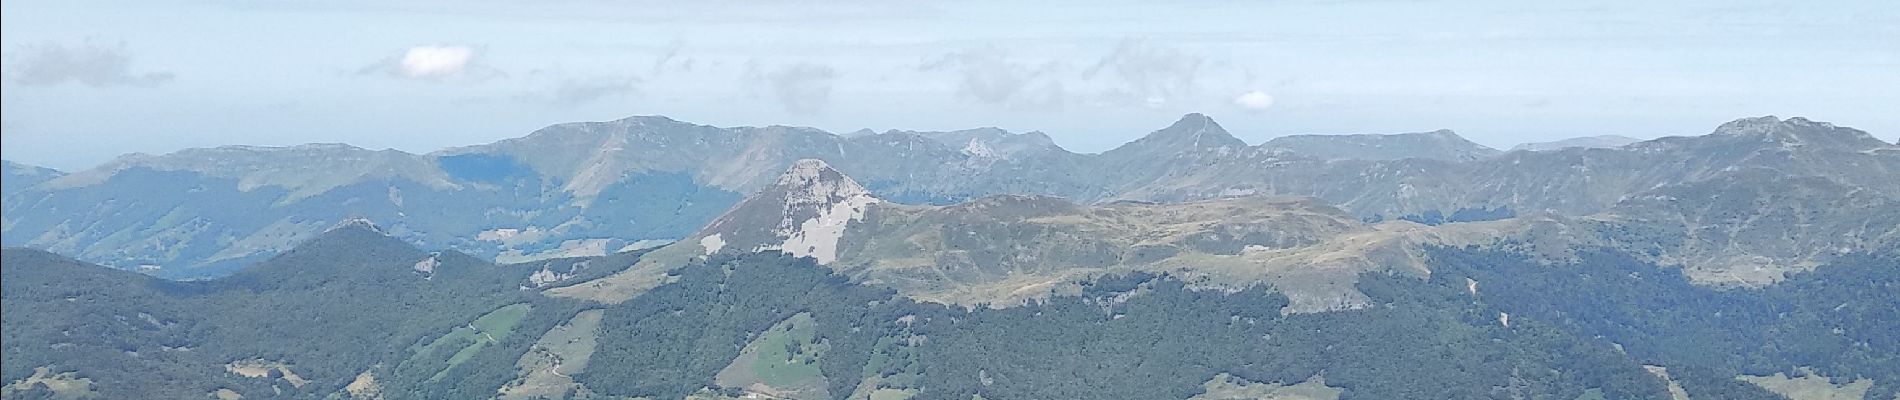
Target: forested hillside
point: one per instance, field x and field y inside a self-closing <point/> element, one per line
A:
<point x="356" y="310"/>
<point x="350" y="301"/>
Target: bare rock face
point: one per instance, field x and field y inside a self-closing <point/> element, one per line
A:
<point x="804" y="213"/>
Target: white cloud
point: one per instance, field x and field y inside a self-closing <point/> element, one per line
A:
<point x="1254" y="101"/>
<point x="436" y="61"/>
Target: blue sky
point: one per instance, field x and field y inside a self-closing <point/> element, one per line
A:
<point x="85" y="81"/>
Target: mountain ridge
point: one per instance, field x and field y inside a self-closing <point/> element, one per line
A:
<point x="1442" y="144"/>
<point x="1599" y="141"/>
<point x="1007" y="249"/>
<point x="591" y="188"/>
<point x="16" y="176"/>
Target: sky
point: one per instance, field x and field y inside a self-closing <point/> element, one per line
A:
<point x="83" y="81"/>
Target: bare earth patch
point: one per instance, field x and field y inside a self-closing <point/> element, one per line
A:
<point x="364" y="387"/>
<point x="1810" y="387"/>
<point x="64" y="384"/>
<point x="226" y="394"/>
<point x="257" y="368"/>
<point x="1227" y="387"/>
<point x="1675" y="388"/>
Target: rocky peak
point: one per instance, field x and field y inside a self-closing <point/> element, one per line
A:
<point x="813" y="179"/>
<point x="804" y="213"/>
<point x="1750" y="125"/>
<point x="1799" y="132"/>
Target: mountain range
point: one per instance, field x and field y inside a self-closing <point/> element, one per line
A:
<point x="356" y="314"/>
<point x="650" y="258"/>
<point x="584" y="189"/>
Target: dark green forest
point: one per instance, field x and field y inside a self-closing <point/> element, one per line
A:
<point x="351" y="301"/>
<point x="1842" y="319"/>
<point x="1162" y="342"/>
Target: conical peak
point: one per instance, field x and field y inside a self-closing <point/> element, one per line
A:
<point x="1193" y="121"/>
<point x="1194" y="130"/>
<point x="357" y="223"/>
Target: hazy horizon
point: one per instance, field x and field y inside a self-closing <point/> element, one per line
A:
<point x="83" y="86"/>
